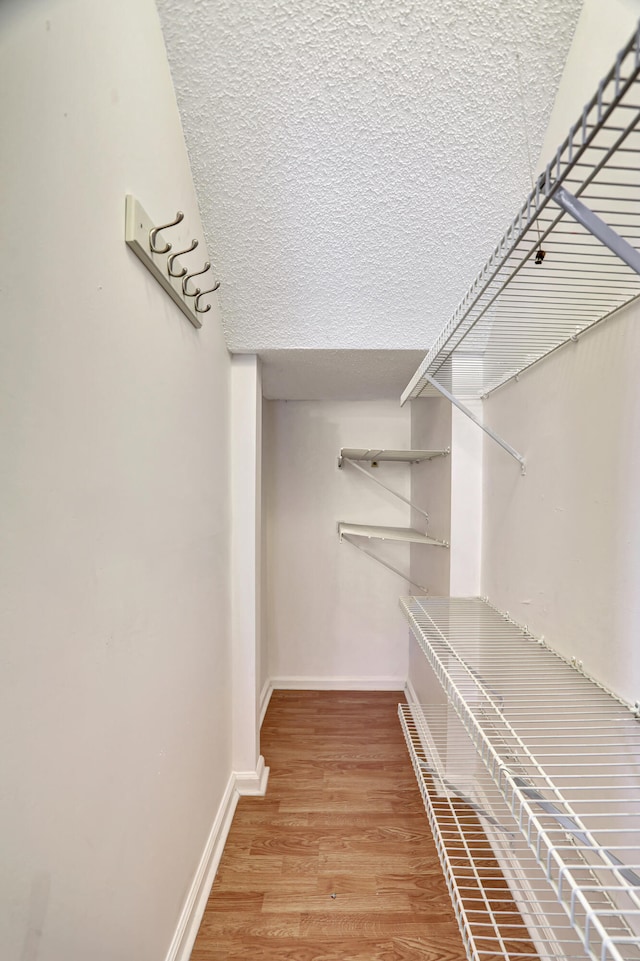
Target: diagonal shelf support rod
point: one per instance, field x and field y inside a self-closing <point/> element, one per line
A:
<point x="596" y="226"/>
<point x="380" y="560"/>
<point x="476" y="420"/>
<point x="390" y="490"/>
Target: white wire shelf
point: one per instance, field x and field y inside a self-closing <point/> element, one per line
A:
<point x="387" y="534"/>
<point x="402" y="456"/>
<point x="522" y="306"/>
<point x="501" y="898"/>
<point x="563" y="753"/>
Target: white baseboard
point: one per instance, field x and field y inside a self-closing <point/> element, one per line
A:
<point x="306" y="683"/>
<point x="292" y="683"/>
<point x="410" y="693"/>
<point x="239" y="783"/>
<point x="253" y="783"/>
<point x="265" y="697"/>
<point x="196" y="900"/>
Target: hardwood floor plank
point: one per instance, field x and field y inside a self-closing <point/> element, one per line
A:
<point x="241" y="924"/>
<point x="382" y="925"/>
<point x="342" y="903"/>
<point x="347" y="882"/>
<point x="331" y="803"/>
<point x="330" y="949"/>
<point x="411" y="865"/>
<point x="234" y="901"/>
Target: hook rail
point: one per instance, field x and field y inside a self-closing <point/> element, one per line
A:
<point x="150" y="245"/>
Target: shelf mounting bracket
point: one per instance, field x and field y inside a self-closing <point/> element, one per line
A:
<point x="390" y="490"/>
<point x="472" y="417"/>
<point x="596" y="226"/>
<point x="380" y="560"/>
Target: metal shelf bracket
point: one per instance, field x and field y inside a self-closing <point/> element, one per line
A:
<point x="390" y="490"/>
<point x="468" y="413"/>
<point x="596" y="226"/>
<point x="380" y="560"/>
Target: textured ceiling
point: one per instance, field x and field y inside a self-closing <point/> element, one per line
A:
<point x="357" y="160"/>
<point x="337" y="374"/>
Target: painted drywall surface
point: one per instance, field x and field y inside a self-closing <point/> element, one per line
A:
<point x="337" y="374"/>
<point x="332" y="611"/>
<point x="561" y="545"/>
<point x="263" y="675"/>
<point x="450" y="488"/>
<point x="431" y="490"/>
<point x="115" y="663"/>
<point x="601" y="31"/>
<point x="466" y="503"/>
<point x="246" y="505"/>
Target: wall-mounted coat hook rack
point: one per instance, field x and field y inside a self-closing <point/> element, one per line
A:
<point x="150" y="245"/>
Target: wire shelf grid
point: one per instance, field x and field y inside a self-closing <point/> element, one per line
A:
<point x="563" y="753"/>
<point x="523" y="305"/>
<point x="503" y="904"/>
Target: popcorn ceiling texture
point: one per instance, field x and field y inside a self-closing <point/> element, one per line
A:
<point x="337" y="374"/>
<point x="356" y="161"/>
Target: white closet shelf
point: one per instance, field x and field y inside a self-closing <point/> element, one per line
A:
<point x="561" y="751"/>
<point x="400" y="456"/>
<point x="502" y="901"/>
<point x="569" y="258"/>
<point x="387" y="534"/>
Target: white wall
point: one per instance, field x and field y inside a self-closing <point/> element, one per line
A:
<point x="263" y="675"/>
<point x="246" y="557"/>
<point x="602" y="30"/>
<point x="466" y="502"/>
<point x="561" y="546"/>
<point x="114" y="569"/>
<point x="332" y="612"/>
<point x="430" y="490"/>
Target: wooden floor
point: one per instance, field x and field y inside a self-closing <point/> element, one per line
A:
<point x="336" y="863"/>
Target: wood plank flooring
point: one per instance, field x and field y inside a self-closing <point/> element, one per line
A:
<point x="337" y="862"/>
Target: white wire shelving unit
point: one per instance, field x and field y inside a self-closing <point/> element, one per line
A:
<point x="407" y="534"/>
<point x="567" y="261"/>
<point x="351" y="456"/>
<point x="357" y="534"/>
<point x="381" y="455"/>
<point x="562" y="755"/>
<point x="501" y="898"/>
